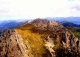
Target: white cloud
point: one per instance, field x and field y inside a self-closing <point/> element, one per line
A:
<point x="14" y="9"/>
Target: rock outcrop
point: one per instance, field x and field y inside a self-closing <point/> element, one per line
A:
<point x="11" y="44"/>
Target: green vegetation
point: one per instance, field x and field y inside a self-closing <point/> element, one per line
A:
<point x="75" y="32"/>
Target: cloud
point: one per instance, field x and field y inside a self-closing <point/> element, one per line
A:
<point x="17" y="9"/>
<point x="77" y="7"/>
<point x="3" y="11"/>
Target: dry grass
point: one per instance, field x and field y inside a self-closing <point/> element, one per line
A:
<point x="34" y="39"/>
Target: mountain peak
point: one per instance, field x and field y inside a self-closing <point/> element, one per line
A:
<point x="45" y="24"/>
<point x="45" y="21"/>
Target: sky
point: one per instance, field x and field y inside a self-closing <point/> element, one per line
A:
<point x="30" y="9"/>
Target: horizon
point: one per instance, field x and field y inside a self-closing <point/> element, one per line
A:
<point x="36" y="18"/>
<point x="29" y="9"/>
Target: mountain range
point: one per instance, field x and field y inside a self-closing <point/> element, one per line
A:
<point x="10" y="24"/>
<point x="39" y="38"/>
<point x="75" y="20"/>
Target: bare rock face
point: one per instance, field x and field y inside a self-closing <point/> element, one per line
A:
<point x="11" y="45"/>
<point x="60" y="43"/>
<point x="63" y="45"/>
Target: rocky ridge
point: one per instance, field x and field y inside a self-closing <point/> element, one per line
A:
<point x="58" y="41"/>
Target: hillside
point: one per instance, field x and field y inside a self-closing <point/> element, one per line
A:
<point x="39" y="38"/>
<point x="44" y="35"/>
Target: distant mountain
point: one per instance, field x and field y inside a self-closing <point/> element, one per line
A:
<point x="75" y="20"/>
<point x="11" y="24"/>
<point x="68" y="24"/>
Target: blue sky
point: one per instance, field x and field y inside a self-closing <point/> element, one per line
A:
<point x="30" y="9"/>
